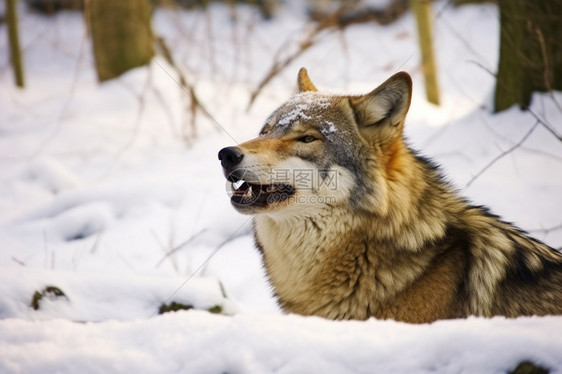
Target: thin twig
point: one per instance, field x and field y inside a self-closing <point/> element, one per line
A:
<point x="539" y="119"/>
<point x="96" y="242"/>
<point x="501" y="155"/>
<point x="163" y="248"/>
<point x="328" y="23"/>
<point x="180" y="246"/>
<point x="522" y="147"/>
<point x="17" y="261"/>
<point x="547" y="74"/>
<point x="136" y="124"/>
<point x="202" y="265"/>
<point x="279" y="65"/>
<point x="67" y="102"/>
<point x="166" y="109"/>
<point x="45" y="249"/>
<point x="548" y="230"/>
<point x="458" y="34"/>
<point x="191" y="94"/>
<point x="157" y="239"/>
<point x="545" y="125"/>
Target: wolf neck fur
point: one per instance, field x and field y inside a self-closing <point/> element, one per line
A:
<point x="295" y="248"/>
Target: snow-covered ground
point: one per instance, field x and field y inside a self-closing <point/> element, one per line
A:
<point x="102" y="197"/>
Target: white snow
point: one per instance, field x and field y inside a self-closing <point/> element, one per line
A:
<point x="198" y="342"/>
<point x="297" y="114"/>
<point x="306" y="105"/>
<point x="101" y="196"/>
<point x="94" y="298"/>
<point x="329" y="128"/>
<point x="51" y="175"/>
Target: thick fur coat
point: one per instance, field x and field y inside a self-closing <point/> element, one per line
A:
<point x="376" y="231"/>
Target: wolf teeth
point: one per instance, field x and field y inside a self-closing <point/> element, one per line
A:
<point x="247" y="190"/>
<point x="248" y="193"/>
<point x="236" y="185"/>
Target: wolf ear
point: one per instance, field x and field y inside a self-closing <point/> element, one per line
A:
<point x="304" y="82"/>
<point x="384" y="109"/>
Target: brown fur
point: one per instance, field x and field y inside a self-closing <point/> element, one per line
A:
<point x="397" y="241"/>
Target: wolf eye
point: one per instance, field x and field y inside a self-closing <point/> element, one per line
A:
<point x="307" y="139"/>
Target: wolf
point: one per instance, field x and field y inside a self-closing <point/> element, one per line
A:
<point x="352" y="223"/>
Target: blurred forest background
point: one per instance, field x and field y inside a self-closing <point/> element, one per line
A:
<point x="122" y="38"/>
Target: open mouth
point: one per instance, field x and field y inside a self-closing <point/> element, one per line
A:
<point x="251" y="194"/>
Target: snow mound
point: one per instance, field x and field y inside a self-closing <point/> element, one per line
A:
<point x="200" y="342"/>
<point x="52" y="175"/>
<point x="82" y="221"/>
<point x="123" y="197"/>
<point x="102" y="297"/>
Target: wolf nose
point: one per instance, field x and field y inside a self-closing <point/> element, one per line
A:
<point x="230" y="157"/>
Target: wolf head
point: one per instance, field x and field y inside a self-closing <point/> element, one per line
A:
<point x="320" y="150"/>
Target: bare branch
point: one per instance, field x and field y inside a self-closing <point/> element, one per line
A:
<point x="547" y="230"/>
<point x="501" y="155"/>
<point x="67" y="102"/>
<point x="217" y="249"/>
<point x="330" y="22"/>
<point x="543" y="123"/>
<point x="522" y="147"/>
<point x="136" y="124"/>
<point x="279" y="65"/>
<point x="189" y="89"/>
<point x="383" y="16"/>
<point x="17" y="261"/>
<point x="180" y="246"/>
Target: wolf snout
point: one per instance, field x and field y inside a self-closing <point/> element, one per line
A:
<point x="230" y="157"/>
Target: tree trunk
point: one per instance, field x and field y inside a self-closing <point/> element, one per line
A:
<point x="122" y="35"/>
<point x="422" y="12"/>
<point x="530" y="51"/>
<point x="15" y="51"/>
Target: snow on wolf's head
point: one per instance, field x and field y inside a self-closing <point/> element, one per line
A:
<point x="319" y="150"/>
